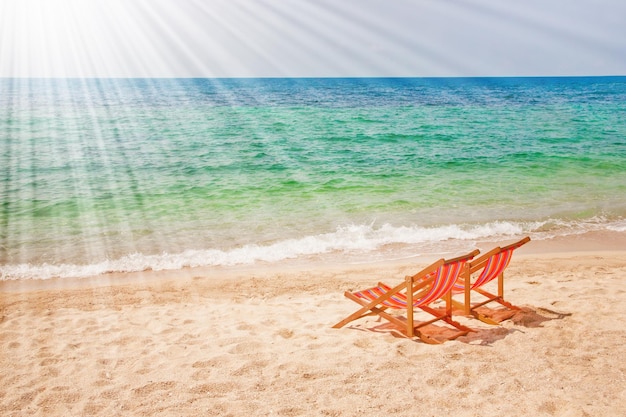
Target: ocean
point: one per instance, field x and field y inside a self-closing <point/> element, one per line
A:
<point x="105" y="175"/>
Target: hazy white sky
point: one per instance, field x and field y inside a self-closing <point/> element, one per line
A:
<point x="316" y="38"/>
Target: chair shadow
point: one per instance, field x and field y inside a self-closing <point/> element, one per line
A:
<point x="529" y="317"/>
<point x="431" y="332"/>
<point x="486" y="335"/>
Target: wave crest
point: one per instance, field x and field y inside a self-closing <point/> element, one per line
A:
<point x="359" y="240"/>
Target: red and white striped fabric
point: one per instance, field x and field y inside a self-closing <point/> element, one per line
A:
<point x="444" y="278"/>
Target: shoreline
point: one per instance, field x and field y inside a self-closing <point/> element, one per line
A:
<point x="563" y="246"/>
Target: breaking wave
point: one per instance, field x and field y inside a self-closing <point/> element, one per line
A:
<point x="359" y="241"/>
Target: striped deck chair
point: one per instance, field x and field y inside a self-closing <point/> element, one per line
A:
<point x="417" y="291"/>
<point x="486" y="268"/>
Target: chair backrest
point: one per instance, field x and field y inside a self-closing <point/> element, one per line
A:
<point x="493" y="267"/>
<point x="428" y="285"/>
<point x="443" y="279"/>
<point x="495" y="264"/>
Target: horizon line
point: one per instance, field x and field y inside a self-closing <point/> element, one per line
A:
<point x="311" y="77"/>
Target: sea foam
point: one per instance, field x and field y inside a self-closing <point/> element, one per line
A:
<point x="360" y="242"/>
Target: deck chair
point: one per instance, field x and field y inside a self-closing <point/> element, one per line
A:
<point x="485" y="268"/>
<point x="417" y="291"/>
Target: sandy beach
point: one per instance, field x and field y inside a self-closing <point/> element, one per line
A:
<point x="258" y="341"/>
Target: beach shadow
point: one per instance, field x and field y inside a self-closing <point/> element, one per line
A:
<point x="385" y="328"/>
<point x="528" y="317"/>
<point x="525" y="316"/>
<point x="430" y="333"/>
<point x="535" y="317"/>
<point x="486" y="336"/>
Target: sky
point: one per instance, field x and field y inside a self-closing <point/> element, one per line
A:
<point x="311" y="38"/>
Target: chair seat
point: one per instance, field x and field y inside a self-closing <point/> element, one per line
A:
<point x="397" y="300"/>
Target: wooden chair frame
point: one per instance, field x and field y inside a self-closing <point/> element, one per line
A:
<point x="417" y="291"/>
<point x="477" y="267"/>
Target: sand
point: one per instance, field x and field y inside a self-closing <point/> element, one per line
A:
<point x="258" y="341"/>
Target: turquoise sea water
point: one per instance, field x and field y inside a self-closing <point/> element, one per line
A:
<point x="106" y="175"/>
